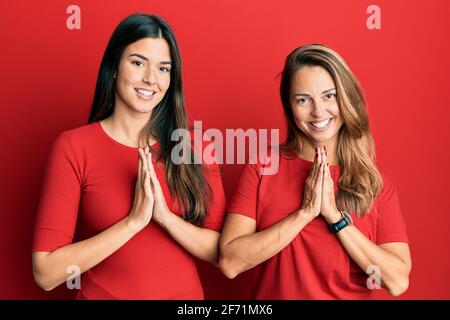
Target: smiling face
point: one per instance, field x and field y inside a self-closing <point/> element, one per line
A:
<point x="314" y="105"/>
<point x="143" y="75"/>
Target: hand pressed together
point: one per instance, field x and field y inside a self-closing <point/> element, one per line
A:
<point x="318" y="197"/>
<point x="149" y="202"/>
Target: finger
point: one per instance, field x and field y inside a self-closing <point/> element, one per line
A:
<point x="315" y="164"/>
<point x="144" y="159"/>
<point x="328" y="172"/>
<point x="147" y="187"/>
<point x="139" y="173"/>
<point x="319" y="163"/>
<point x="143" y="164"/>
<point x="153" y="177"/>
<point x="150" y="161"/>
<point x="320" y="155"/>
<point x="319" y="179"/>
<point x="157" y="191"/>
<point x="324" y="155"/>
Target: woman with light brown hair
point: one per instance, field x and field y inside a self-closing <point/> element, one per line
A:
<point x="328" y="224"/>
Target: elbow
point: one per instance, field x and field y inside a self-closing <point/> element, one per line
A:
<point x="399" y="287"/>
<point x="40" y="275"/>
<point x="226" y="267"/>
<point x="41" y="281"/>
<point x="400" y="284"/>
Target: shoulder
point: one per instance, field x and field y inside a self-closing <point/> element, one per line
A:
<point x="77" y="135"/>
<point x="388" y="188"/>
<point x="74" y="140"/>
<point x="80" y="133"/>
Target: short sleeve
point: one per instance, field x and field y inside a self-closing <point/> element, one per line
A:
<point x="216" y="211"/>
<point x="390" y="225"/>
<point x="217" y="202"/>
<point x="60" y="197"/>
<point x="245" y="198"/>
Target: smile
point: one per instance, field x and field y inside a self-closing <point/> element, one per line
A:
<point x="146" y="94"/>
<point x="320" y="125"/>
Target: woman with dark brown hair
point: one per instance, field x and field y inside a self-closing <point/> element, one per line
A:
<point x="327" y="219"/>
<point x="140" y="219"/>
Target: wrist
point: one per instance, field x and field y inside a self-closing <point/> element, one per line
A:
<point x="333" y="217"/>
<point x="345" y="221"/>
<point x="133" y="225"/>
<point x="305" y="215"/>
<point x="166" y="220"/>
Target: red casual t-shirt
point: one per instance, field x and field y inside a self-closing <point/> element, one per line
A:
<point x="89" y="186"/>
<point x="314" y="265"/>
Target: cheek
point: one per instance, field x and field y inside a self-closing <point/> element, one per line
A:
<point x="334" y="110"/>
<point x="165" y="82"/>
<point x="300" y="117"/>
<point x="128" y="75"/>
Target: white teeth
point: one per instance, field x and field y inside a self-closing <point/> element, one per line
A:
<point x="145" y="93"/>
<point x="321" y="125"/>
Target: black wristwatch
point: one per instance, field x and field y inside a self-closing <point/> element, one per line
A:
<point x="341" y="224"/>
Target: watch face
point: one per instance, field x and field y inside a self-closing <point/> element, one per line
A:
<point x="347" y="217"/>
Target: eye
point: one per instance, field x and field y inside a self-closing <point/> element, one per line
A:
<point x="330" y="95"/>
<point x="302" y="100"/>
<point x="164" y="69"/>
<point x="137" y="63"/>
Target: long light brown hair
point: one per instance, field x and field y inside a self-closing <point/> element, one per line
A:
<point x="360" y="181"/>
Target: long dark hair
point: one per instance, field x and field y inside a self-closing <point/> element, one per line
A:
<point x="187" y="182"/>
<point x="360" y="181"/>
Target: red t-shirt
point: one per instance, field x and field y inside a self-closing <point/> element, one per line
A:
<point x="89" y="186"/>
<point x="314" y="265"/>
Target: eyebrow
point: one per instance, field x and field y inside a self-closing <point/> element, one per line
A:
<point x="146" y="59"/>
<point x="305" y="94"/>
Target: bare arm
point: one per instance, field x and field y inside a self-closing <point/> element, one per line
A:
<point x="393" y="259"/>
<point x="50" y="268"/>
<point x="200" y="242"/>
<point x="241" y="248"/>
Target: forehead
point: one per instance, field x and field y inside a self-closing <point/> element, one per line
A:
<point x="314" y="79"/>
<point x="152" y="48"/>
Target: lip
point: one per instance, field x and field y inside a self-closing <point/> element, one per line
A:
<point x="321" y="129"/>
<point x="146" y="98"/>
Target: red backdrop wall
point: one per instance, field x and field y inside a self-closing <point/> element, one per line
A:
<point x="232" y="52"/>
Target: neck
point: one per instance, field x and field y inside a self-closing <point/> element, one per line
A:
<point x="126" y="126"/>
<point x="308" y="150"/>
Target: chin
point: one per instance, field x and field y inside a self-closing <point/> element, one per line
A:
<point x="321" y="139"/>
<point x="144" y="107"/>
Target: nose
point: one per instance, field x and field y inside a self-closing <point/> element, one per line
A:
<point x="318" y="108"/>
<point x="150" y="77"/>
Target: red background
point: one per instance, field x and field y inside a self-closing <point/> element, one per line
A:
<point x="232" y="53"/>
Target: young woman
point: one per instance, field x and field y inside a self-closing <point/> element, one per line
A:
<point x="114" y="205"/>
<point x="327" y="217"/>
